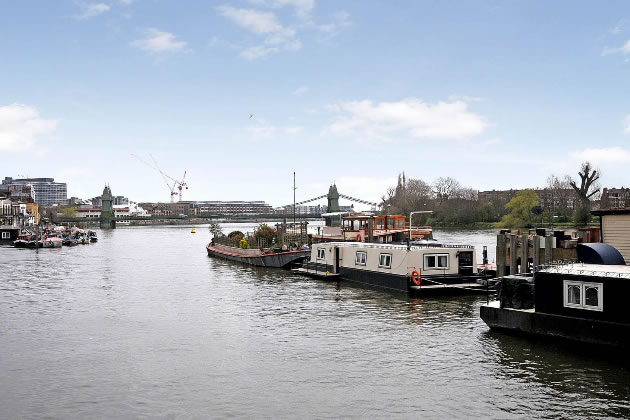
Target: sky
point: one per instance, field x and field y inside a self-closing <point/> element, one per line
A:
<point x="240" y="94"/>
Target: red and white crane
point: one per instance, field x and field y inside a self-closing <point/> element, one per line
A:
<point x="171" y="182"/>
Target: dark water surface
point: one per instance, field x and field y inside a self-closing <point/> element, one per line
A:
<point x="144" y="325"/>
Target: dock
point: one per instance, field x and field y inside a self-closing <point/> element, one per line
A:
<point x="324" y="275"/>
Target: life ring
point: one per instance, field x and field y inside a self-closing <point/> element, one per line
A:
<point x="358" y="237"/>
<point x="415" y="277"/>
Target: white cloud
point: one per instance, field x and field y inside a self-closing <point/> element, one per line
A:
<point x="93" y="9"/>
<point x="624" y="49"/>
<point x="602" y="155"/>
<point x="159" y="42"/>
<point x="294" y="129"/>
<point x="20" y="125"/>
<point x="407" y="118"/>
<point x="626" y="121"/>
<point x="252" y="20"/>
<point x="300" y="91"/>
<point x="253" y="53"/>
<point x="338" y="20"/>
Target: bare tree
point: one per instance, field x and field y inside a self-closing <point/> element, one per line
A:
<point x="445" y="188"/>
<point x="589" y="185"/>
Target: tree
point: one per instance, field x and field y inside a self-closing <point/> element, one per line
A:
<point x="68" y="212"/>
<point x="520" y="209"/>
<point x="215" y="229"/>
<point x="589" y="187"/>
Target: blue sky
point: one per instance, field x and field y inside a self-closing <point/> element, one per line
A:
<point x="496" y="94"/>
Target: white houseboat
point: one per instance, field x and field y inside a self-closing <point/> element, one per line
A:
<point x="416" y="267"/>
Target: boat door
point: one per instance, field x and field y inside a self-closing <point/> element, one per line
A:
<point x="336" y="259"/>
<point x="465" y="262"/>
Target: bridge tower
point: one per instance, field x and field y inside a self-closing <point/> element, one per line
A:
<point x="107" y="219"/>
<point x="333" y="206"/>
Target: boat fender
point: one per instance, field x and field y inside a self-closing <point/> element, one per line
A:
<point x="358" y="237"/>
<point x="415" y="277"/>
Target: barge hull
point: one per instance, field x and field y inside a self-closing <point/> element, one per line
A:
<point x="277" y="260"/>
<point x="526" y="321"/>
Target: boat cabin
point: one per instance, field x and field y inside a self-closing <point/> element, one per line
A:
<point x="8" y="234"/>
<point x="362" y="227"/>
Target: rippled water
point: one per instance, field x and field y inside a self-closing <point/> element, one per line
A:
<point x="143" y="324"/>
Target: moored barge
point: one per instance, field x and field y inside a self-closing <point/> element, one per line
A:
<point x="416" y="268"/>
<point x="257" y="257"/>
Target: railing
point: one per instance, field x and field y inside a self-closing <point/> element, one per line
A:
<point x="577" y="268"/>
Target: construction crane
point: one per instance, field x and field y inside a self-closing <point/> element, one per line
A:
<point x="171" y="183"/>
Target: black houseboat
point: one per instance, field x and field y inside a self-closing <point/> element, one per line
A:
<point x="583" y="301"/>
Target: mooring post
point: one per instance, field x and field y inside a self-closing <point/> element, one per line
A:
<point x="513" y="254"/>
<point x="524" y="253"/>
<point x="536" y="251"/>
<point x="501" y="254"/>
<point x="548" y="249"/>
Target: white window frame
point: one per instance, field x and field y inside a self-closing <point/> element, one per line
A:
<point x="321" y="253"/>
<point x="583" y="286"/>
<point x="437" y="259"/>
<point x="6" y="235"/>
<point x="360" y="261"/>
<point x="380" y="257"/>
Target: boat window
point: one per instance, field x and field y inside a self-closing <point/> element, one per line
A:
<point x="399" y="223"/>
<point x="321" y="253"/>
<point x="436" y="261"/>
<point x="361" y="258"/>
<point x="390" y="223"/>
<point x="380" y="224"/>
<point x="6" y="235"/>
<point x="385" y="261"/>
<point x="583" y="295"/>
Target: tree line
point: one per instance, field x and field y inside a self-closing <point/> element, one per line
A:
<point x="561" y="200"/>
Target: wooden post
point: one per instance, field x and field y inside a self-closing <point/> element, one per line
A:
<point x="513" y="254"/>
<point x="501" y="254"/>
<point x="548" y="249"/>
<point x="524" y="253"/>
<point x="537" y="251"/>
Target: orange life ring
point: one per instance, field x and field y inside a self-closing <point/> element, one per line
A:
<point x="415" y="277"/>
<point x="358" y="237"/>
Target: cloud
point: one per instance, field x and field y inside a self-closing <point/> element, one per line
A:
<point x="294" y="129"/>
<point x="126" y="1"/>
<point x="409" y="117"/>
<point x="602" y="155"/>
<point x="624" y="49"/>
<point x="252" y="20"/>
<point x="20" y="125"/>
<point x="93" y="9"/>
<point x="626" y="121"/>
<point x="300" y="91"/>
<point x="156" y="41"/>
<point x="303" y="8"/>
<point x="253" y="53"/>
<point x="340" y="19"/>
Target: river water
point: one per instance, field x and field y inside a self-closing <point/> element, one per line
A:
<point x="143" y="324"/>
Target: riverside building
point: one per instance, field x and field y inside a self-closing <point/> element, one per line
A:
<point x="46" y="191"/>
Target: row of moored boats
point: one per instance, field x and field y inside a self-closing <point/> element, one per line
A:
<point x="55" y="237"/>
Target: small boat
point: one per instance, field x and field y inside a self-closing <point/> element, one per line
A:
<point x="51" y="242"/>
<point x="92" y="235"/>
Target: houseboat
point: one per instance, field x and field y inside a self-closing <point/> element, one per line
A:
<point x="578" y="301"/>
<point x="416" y="267"/>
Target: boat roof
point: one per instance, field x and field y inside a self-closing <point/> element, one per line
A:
<point x="588" y="270"/>
<point x="415" y="246"/>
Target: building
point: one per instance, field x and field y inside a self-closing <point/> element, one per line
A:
<point x="179" y="209"/>
<point x="46" y="191"/>
<point x="232" y="208"/>
<point x="615" y="198"/>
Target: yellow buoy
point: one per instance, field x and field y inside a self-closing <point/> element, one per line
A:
<point x="193" y="230"/>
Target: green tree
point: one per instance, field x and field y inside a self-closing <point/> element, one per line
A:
<point x="519" y="209"/>
<point x="68" y="212"/>
<point x="215" y="229"/>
